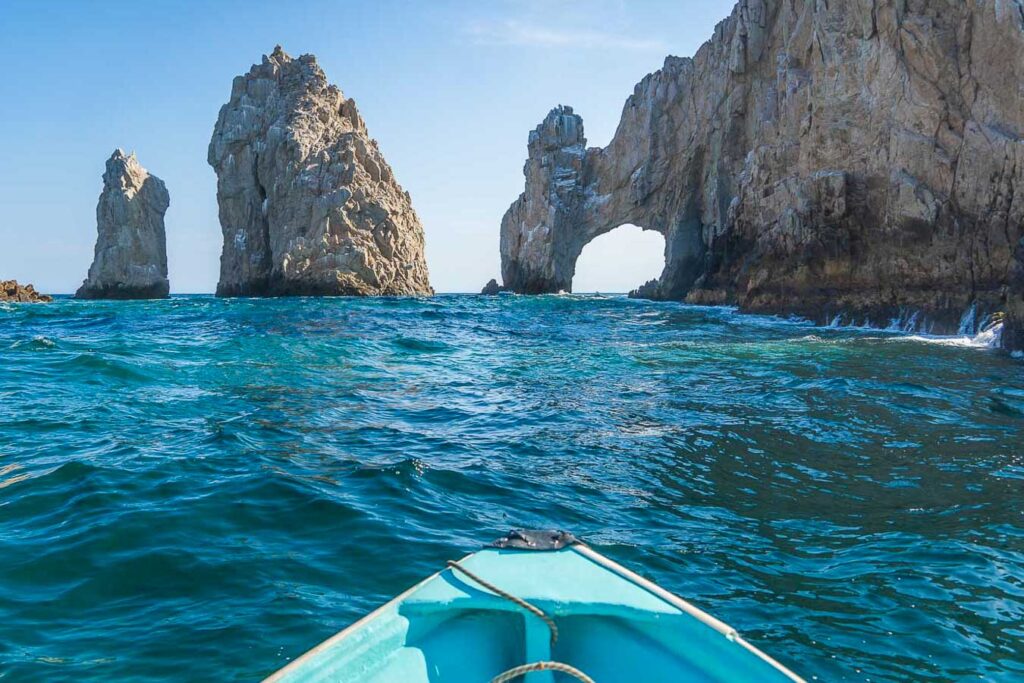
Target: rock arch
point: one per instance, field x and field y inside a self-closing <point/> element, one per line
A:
<point x="810" y="159"/>
<point x="573" y="195"/>
<point x="619" y="260"/>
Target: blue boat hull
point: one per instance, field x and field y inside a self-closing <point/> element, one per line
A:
<point x="611" y="624"/>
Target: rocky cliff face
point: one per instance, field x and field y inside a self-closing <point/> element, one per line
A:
<point x="1013" y="328"/>
<point x="860" y="158"/>
<point x="130" y="260"/>
<point x="308" y="206"/>
<point x="11" y="291"/>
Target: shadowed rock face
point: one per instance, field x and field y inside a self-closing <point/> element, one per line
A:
<point x="1013" y="329"/>
<point x="130" y="260"/>
<point x="860" y="157"/>
<point x="308" y="206"/>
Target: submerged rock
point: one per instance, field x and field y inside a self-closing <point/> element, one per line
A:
<point x="130" y="261"/>
<point x="10" y="290"/>
<point x="863" y="158"/>
<point x="308" y="205"/>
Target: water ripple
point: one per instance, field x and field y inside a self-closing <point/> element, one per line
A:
<point x="201" y="488"/>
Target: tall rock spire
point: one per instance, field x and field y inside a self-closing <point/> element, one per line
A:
<point x="130" y="260"/>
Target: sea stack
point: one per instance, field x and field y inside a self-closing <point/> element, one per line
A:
<point x="861" y="160"/>
<point x="308" y="205"/>
<point x="130" y="261"/>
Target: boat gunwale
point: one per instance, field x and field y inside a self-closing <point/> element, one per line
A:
<point x="689" y="608"/>
<point x="586" y="551"/>
<point x="302" y="659"/>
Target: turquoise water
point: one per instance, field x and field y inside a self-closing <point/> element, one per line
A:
<point x="203" y="489"/>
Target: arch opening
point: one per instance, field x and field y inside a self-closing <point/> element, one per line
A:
<point x="619" y="261"/>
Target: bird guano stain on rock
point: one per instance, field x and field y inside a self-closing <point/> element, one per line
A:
<point x="859" y="158"/>
<point x="308" y="205"/>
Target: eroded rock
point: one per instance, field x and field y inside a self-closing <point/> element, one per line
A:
<point x="130" y="260"/>
<point x="11" y="291"/>
<point x="861" y="159"/>
<point x="492" y="288"/>
<point x="308" y="205"/>
<point x="1013" y="327"/>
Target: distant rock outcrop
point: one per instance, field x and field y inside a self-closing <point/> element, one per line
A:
<point x="308" y="205"/>
<point x="130" y="261"/>
<point x="11" y="291"/>
<point x="492" y="288"/>
<point x="861" y="158"/>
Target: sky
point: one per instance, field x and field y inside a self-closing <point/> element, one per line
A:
<point x="450" y="90"/>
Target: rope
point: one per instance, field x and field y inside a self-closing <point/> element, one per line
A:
<point x="533" y="609"/>
<point x="542" y="666"/>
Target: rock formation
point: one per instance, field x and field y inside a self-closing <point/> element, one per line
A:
<point x="1013" y="327"/>
<point x="11" y="291"/>
<point x="861" y="158"/>
<point x="492" y="288"/>
<point x="130" y="261"/>
<point x="308" y="206"/>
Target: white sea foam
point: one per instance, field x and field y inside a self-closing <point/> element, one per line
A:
<point x="986" y="339"/>
<point x="972" y="333"/>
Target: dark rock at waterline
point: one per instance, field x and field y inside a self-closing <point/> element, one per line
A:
<point x="10" y="290"/>
<point x="648" y="290"/>
<point x="809" y="159"/>
<point x="492" y="288"/>
<point x="1013" y="327"/>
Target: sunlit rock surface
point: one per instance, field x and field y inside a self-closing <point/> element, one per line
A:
<point x="859" y="158"/>
<point x="11" y="291"/>
<point x="130" y="260"/>
<point x="308" y="205"/>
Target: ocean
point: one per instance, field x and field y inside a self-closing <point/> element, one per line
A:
<point x="202" y="489"/>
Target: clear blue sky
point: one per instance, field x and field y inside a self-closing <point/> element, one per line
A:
<point x="449" y="89"/>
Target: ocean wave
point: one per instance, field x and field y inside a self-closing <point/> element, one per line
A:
<point x="182" y="481"/>
<point x="39" y="341"/>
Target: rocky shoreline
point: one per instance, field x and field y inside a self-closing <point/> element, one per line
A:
<point x="859" y="159"/>
<point x="11" y="291"/>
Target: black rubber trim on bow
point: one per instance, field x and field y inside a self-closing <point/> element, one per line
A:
<point x="535" y="539"/>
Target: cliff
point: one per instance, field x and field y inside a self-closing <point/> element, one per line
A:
<point x="308" y="205"/>
<point x="859" y="159"/>
<point x="130" y="260"/>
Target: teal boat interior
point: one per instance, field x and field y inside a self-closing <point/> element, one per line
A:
<point x="611" y="624"/>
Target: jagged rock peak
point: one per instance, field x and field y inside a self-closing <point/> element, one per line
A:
<point x="130" y="260"/>
<point x="860" y="158"/>
<point x="560" y="128"/>
<point x="539" y="245"/>
<point x="492" y="288"/>
<point x="308" y="205"/>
